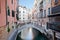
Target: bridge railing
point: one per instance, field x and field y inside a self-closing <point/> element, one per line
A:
<point x="39" y="27"/>
<point x="14" y="34"/>
<point x="33" y="26"/>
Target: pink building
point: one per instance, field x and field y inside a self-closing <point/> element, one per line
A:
<point x="11" y="11"/>
<point x="8" y="12"/>
<point x="2" y="13"/>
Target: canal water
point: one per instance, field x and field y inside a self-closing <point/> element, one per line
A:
<point x="33" y="34"/>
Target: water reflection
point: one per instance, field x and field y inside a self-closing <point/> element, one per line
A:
<point x="30" y="35"/>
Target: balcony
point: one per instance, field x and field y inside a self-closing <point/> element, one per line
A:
<point x="54" y="26"/>
<point x="41" y="7"/>
<point x="53" y="15"/>
<point x="55" y="11"/>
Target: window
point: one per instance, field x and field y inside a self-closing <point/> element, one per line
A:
<point x="48" y="11"/>
<point x="12" y="1"/>
<point x="13" y="13"/>
<point x="56" y="1"/>
<point x="8" y="11"/>
<point x="44" y="3"/>
<point x="17" y="17"/>
<point x="44" y="13"/>
<point x="41" y="13"/>
<point x="23" y="18"/>
<point x="23" y="11"/>
<point x="19" y="11"/>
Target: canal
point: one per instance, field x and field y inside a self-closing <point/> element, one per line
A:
<point x="31" y="34"/>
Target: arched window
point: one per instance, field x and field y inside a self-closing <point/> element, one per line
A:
<point x="8" y="11"/>
<point x="13" y="13"/>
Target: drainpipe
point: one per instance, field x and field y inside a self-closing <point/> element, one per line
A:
<point x="17" y="9"/>
<point x="6" y="14"/>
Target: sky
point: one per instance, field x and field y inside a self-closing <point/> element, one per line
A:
<point x="27" y="3"/>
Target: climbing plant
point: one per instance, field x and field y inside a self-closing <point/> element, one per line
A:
<point x="8" y="29"/>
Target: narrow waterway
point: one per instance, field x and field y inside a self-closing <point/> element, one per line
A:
<point x="32" y="34"/>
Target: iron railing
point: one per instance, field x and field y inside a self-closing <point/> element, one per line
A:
<point x="54" y="26"/>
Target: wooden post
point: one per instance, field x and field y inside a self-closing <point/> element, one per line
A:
<point x="54" y="35"/>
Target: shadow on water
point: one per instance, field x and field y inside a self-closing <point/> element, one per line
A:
<point x="40" y="36"/>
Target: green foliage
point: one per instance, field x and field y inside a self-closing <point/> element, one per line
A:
<point x="8" y="29"/>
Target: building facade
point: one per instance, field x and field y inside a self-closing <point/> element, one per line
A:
<point x="8" y="11"/>
<point x="48" y="12"/>
<point x="23" y="14"/>
<point x="43" y="9"/>
<point x="11" y="12"/>
<point x="54" y="19"/>
<point x="3" y="13"/>
<point x="3" y="19"/>
<point x="35" y="11"/>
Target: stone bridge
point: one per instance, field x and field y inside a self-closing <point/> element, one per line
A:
<point x="39" y="28"/>
<point x="19" y="29"/>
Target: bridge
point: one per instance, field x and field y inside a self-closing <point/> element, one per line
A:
<point x="19" y="29"/>
<point x="32" y="26"/>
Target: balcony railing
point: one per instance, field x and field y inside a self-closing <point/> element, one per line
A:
<point x="41" y="7"/>
<point x="54" y="15"/>
<point x="55" y="11"/>
<point x="54" y="26"/>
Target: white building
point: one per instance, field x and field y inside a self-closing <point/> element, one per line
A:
<point x="23" y="14"/>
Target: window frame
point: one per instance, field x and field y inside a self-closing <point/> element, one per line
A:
<point x="13" y="13"/>
<point x="8" y="10"/>
<point x="44" y="13"/>
<point x="23" y="11"/>
<point x="12" y="1"/>
<point x="48" y="11"/>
